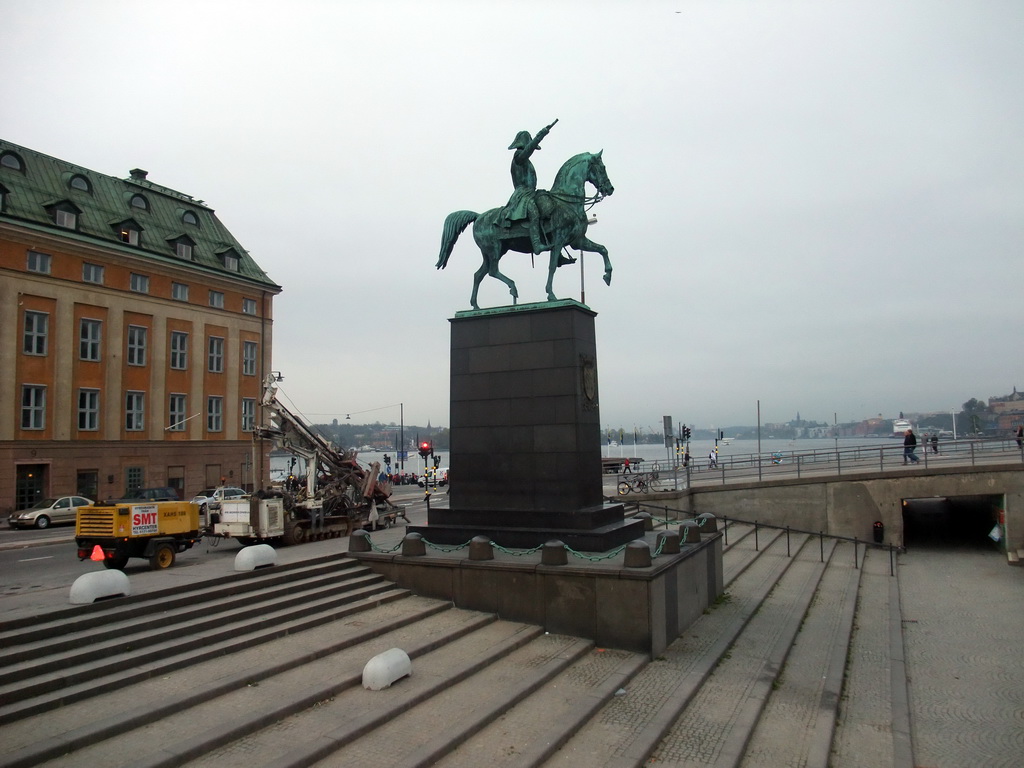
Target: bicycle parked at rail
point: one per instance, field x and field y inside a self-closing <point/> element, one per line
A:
<point x="642" y="482"/>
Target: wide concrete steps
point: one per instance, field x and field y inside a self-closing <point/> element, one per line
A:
<point x="269" y="674"/>
<point x="757" y="680"/>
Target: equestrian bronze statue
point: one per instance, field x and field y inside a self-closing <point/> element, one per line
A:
<point x="534" y="220"/>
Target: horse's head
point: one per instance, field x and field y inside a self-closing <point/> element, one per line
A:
<point x="598" y="175"/>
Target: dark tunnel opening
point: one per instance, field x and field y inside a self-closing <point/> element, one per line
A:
<point x="953" y="522"/>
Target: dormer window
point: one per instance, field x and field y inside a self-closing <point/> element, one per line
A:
<point x="129" y="232"/>
<point x="80" y="183"/>
<point x="183" y="246"/>
<point x="4" y="192"/>
<point x="13" y="161"/>
<point x="189" y="217"/>
<point x="229" y="259"/>
<point x="140" y="202"/>
<point x="65" y="214"/>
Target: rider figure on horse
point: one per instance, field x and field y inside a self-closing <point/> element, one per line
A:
<point x="522" y="206"/>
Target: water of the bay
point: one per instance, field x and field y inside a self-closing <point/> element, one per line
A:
<point x="649" y="452"/>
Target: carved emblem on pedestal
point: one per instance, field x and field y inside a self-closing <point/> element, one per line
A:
<point x="588" y="375"/>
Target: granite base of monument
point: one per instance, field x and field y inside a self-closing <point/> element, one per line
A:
<point x="638" y="609"/>
<point x="525" y="463"/>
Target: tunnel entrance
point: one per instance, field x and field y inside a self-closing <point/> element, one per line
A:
<point x="953" y="522"/>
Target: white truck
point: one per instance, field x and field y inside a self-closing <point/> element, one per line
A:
<point x="337" y="496"/>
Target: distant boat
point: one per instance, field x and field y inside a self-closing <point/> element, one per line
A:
<point x="900" y="427"/>
<point x="725" y="440"/>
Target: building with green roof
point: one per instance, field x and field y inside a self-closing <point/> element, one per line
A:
<point x="137" y="334"/>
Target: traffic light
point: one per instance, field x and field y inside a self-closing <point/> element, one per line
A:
<point x="686" y="433"/>
<point x="387" y="459"/>
<point x="424" y="450"/>
<point x="437" y="461"/>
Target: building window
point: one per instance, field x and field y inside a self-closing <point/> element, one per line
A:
<point x="215" y="356"/>
<point x="214" y="414"/>
<point x="36" y="327"/>
<point x="184" y="250"/>
<point x="134" y="411"/>
<point x="249" y="306"/>
<point x="89" y="335"/>
<point x="33" y="407"/>
<point x="39" y="262"/>
<point x="176" y="414"/>
<point x="128" y="234"/>
<point x="248" y="414"/>
<point x="64" y="217"/>
<point x="139" y="283"/>
<point x="249" y="358"/>
<point x="88" y="410"/>
<point x="92" y="273"/>
<point x="80" y="183"/>
<point x="140" y="202"/>
<point x="12" y="161"/>
<point x="217" y="299"/>
<point x="179" y="350"/>
<point x="4" y="191"/>
<point x="179" y="291"/>
<point x="231" y="262"/>
<point x="189" y="217"/>
<point x="136" y="345"/>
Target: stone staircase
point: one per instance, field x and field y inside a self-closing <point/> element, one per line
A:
<point x="792" y="666"/>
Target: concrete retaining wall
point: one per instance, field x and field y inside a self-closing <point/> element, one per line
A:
<point x="637" y="609"/>
<point x="849" y="505"/>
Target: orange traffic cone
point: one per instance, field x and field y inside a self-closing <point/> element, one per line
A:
<point x="97" y="554"/>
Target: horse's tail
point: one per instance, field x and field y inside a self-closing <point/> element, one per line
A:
<point x="454" y="226"/>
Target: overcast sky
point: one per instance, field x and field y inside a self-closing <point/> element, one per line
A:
<point x="818" y="205"/>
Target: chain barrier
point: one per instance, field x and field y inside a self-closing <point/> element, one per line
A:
<point x="516" y="553"/>
<point x="661" y="546"/>
<point x="381" y="550"/>
<point x="523" y="552"/>
<point x="595" y="558"/>
<point x="439" y="548"/>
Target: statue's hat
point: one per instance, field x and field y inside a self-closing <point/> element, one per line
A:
<point x="522" y="139"/>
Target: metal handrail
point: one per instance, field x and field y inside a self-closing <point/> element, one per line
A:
<point x="846" y="460"/>
<point x="891" y="548"/>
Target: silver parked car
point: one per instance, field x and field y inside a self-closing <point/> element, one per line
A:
<point x="44" y="513"/>
<point x="210" y="498"/>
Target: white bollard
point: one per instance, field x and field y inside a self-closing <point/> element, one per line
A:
<point x="385" y="668"/>
<point x="256" y="556"/>
<point x="98" y="585"/>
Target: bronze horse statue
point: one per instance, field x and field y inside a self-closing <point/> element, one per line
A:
<point x="563" y="212"/>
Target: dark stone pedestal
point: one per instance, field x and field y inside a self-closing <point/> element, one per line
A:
<point x="525" y="432"/>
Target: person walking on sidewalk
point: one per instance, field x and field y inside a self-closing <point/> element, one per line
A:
<point x="909" y="445"/>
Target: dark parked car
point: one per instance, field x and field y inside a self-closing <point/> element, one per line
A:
<point x="165" y="493"/>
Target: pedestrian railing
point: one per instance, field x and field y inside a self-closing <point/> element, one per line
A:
<point x="859" y="545"/>
<point x="746" y="467"/>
